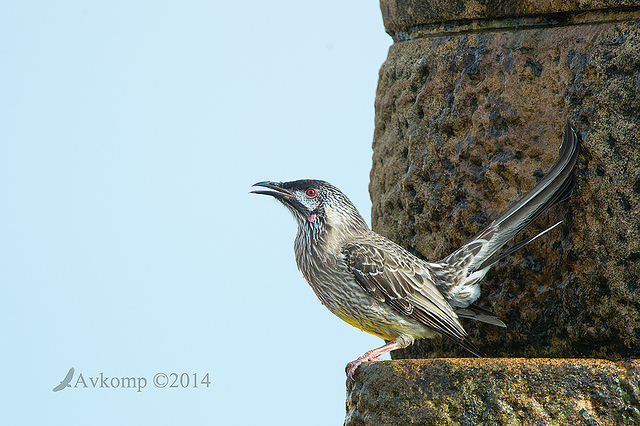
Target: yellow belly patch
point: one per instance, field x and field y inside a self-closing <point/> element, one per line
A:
<point x="366" y="324"/>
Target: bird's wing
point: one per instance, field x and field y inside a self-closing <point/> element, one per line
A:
<point x="69" y="376"/>
<point x="390" y="274"/>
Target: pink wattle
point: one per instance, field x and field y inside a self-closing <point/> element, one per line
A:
<point x="312" y="218"/>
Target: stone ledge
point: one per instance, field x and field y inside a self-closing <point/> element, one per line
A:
<point x="505" y="391"/>
<point x="398" y="15"/>
<point x="519" y="23"/>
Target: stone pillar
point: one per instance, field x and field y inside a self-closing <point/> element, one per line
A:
<point x="495" y="391"/>
<point x="470" y="109"/>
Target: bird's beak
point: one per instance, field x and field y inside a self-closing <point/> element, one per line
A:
<point x="274" y="189"/>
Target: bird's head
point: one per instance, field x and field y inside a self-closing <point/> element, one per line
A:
<point x="314" y="203"/>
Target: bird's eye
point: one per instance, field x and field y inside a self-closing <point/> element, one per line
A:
<point x="311" y="192"/>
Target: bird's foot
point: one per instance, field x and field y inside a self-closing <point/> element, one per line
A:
<point x="372" y="356"/>
<point x="350" y="369"/>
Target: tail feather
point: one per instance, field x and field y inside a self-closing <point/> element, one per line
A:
<point x="497" y="258"/>
<point x="479" y="314"/>
<point x="556" y="186"/>
<point x="468" y="265"/>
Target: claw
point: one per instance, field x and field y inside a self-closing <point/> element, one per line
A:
<point x="371" y="356"/>
<point x="351" y="368"/>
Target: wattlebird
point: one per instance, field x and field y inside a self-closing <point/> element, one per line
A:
<point x="377" y="286"/>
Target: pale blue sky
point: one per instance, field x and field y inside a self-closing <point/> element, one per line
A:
<point x="131" y="133"/>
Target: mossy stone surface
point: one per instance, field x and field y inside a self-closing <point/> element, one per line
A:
<point x="468" y="122"/>
<point x="495" y="392"/>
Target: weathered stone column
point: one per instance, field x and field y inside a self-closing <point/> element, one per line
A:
<point x="470" y="110"/>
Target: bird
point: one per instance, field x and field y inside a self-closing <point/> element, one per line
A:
<point x="64" y="383"/>
<point x="376" y="285"/>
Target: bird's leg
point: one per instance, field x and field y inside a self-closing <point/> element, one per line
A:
<point x="371" y="356"/>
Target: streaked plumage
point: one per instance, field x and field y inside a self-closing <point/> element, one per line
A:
<point x="374" y="284"/>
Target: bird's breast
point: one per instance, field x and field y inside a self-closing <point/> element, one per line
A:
<point x="327" y="273"/>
